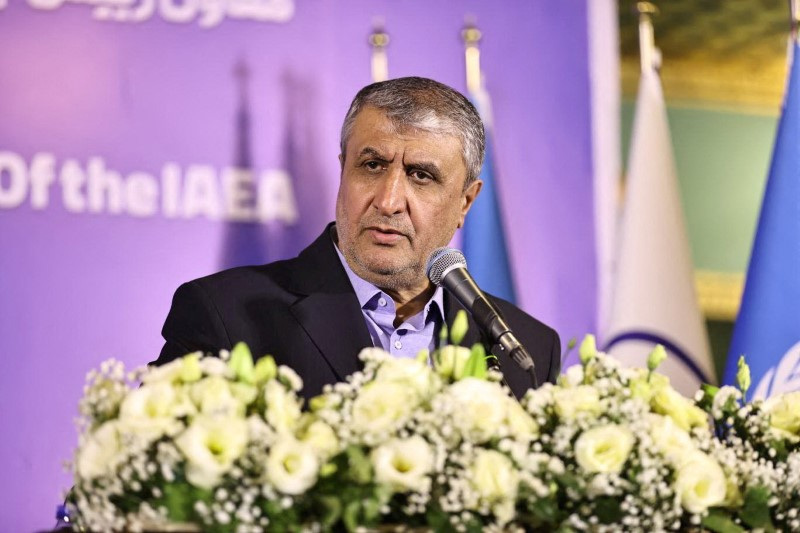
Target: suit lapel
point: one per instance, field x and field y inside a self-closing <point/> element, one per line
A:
<point x="336" y="327"/>
<point x="327" y="308"/>
<point x="451" y="308"/>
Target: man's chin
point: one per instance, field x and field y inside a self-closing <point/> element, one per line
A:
<point x="388" y="274"/>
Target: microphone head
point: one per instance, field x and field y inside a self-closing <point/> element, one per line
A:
<point x="441" y="261"/>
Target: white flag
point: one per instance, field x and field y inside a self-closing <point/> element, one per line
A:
<point x="653" y="299"/>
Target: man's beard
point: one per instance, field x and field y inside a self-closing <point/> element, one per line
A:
<point x="392" y="277"/>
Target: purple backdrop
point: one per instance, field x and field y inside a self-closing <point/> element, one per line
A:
<point x="80" y="283"/>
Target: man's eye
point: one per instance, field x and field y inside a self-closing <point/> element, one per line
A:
<point x="372" y="165"/>
<point x="420" y="176"/>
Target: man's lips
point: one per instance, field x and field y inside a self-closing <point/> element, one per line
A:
<point x="381" y="235"/>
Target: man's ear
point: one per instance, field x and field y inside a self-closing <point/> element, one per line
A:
<point x="341" y="161"/>
<point x="467" y="199"/>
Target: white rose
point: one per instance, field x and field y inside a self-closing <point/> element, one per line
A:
<point x="572" y="401"/>
<point x="700" y="482"/>
<point x="668" y="401"/>
<point x="494" y="477"/>
<point x="99" y="453"/>
<point x="671" y="441"/>
<point x="292" y="466"/>
<point x="520" y="424"/>
<point x="321" y="437"/>
<point x="404" y="464"/>
<point x="410" y="372"/>
<point x="283" y="407"/>
<point x="604" y="448"/>
<point x="213" y="397"/>
<point x="479" y="408"/>
<point x="381" y="407"/>
<point x="784" y="415"/>
<point x="211" y="445"/>
<point x="158" y="400"/>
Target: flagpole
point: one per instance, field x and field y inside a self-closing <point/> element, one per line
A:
<point x="379" y="40"/>
<point x="649" y="55"/>
<point x="794" y="9"/>
<point x="472" y="55"/>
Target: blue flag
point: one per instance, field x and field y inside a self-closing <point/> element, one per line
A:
<point x="767" y="330"/>
<point x="483" y="238"/>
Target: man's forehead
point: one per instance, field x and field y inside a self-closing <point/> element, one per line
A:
<point x="375" y="131"/>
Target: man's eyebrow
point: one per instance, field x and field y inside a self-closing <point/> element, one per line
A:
<point x="371" y="152"/>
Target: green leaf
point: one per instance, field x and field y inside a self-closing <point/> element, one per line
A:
<point x="459" y="327"/>
<point x="179" y="499"/>
<point x="755" y="511"/>
<point x="568" y="481"/>
<point x="438" y="520"/>
<point x="607" y="510"/>
<point x="351" y="515"/>
<point x="719" y="521"/>
<point x="545" y="511"/>
<point x="330" y="512"/>
<point x="370" y="511"/>
<point x="360" y="469"/>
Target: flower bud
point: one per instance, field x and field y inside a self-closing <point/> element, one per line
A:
<point x="265" y="369"/>
<point x="241" y="362"/>
<point x="190" y="368"/>
<point x="588" y="349"/>
<point x="459" y="327"/>
<point x="743" y="375"/>
<point x="656" y="357"/>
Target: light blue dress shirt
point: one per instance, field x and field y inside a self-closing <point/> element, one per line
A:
<point x="418" y="332"/>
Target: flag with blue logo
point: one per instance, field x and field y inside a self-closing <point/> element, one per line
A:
<point x="767" y="330"/>
<point x="653" y="297"/>
<point x="482" y="238"/>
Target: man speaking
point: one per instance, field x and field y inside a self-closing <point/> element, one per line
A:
<point x="411" y="153"/>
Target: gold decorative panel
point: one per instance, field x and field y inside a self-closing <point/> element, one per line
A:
<point x="729" y="52"/>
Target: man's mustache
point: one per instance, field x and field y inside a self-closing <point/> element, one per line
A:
<point x="388" y="223"/>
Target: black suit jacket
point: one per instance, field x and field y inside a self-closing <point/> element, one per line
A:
<point x="304" y="312"/>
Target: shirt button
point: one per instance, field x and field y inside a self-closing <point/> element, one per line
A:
<point x="382" y="302"/>
<point x="398" y="344"/>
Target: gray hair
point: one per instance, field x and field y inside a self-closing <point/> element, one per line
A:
<point x="428" y="105"/>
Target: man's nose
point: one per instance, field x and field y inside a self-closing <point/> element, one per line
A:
<point x="390" y="196"/>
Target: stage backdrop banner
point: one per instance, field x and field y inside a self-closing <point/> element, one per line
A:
<point x="146" y="143"/>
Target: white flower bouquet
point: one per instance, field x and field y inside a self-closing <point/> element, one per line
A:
<point x="435" y="442"/>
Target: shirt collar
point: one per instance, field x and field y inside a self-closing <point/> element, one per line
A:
<point x="366" y="292"/>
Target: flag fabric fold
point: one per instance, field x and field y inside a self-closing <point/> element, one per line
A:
<point x="653" y="295"/>
<point x="483" y="237"/>
<point x="767" y="330"/>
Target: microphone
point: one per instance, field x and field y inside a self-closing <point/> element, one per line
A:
<point x="447" y="268"/>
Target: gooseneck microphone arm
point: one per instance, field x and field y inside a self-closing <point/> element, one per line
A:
<point x="448" y="268"/>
